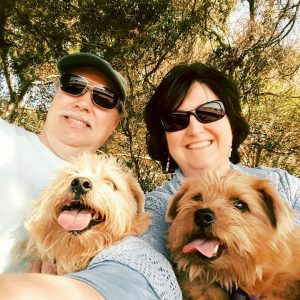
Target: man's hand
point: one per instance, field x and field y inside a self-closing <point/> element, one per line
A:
<point x="42" y="267"/>
<point x="24" y="286"/>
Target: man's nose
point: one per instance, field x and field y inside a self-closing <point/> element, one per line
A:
<point x="84" y="102"/>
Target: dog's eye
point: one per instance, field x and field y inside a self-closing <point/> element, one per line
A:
<point x="111" y="183"/>
<point x="241" y="205"/>
<point x="197" y="197"/>
<point x="114" y="186"/>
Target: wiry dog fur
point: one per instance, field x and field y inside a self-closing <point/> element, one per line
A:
<point x="98" y="185"/>
<point x="249" y="226"/>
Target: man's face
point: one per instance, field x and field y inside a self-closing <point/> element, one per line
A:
<point x="75" y="121"/>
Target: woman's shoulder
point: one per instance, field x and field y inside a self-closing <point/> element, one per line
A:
<point x="169" y="187"/>
<point x="288" y="185"/>
<point x="158" y="198"/>
<point x="267" y="172"/>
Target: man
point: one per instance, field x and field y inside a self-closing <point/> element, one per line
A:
<point x="85" y="110"/>
<point x="74" y="124"/>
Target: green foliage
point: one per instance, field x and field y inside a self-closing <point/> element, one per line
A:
<point x="144" y="39"/>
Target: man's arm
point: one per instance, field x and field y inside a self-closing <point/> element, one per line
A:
<point x="109" y="279"/>
<point x="47" y="287"/>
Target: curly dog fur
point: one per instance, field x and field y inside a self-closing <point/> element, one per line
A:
<point x="234" y="231"/>
<point x="92" y="203"/>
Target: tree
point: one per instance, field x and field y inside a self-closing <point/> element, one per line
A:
<point x="144" y="39"/>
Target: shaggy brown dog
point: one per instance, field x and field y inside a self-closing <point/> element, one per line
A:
<point x="234" y="231"/>
<point x="91" y="204"/>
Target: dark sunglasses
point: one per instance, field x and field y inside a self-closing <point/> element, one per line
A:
<point x="77" y="85"/>
<point x="205" y="113"/>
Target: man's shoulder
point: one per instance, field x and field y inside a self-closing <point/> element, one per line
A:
<point x="10" y="130"/>
<point x="6" y="124"/>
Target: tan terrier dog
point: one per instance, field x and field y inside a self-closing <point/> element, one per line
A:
<point x="234" y="231"/>
<point x="92" y="204"/>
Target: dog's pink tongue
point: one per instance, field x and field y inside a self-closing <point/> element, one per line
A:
<point x="74" y="219"/>
<point x="207" y="248"/>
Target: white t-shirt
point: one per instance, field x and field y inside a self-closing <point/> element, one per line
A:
<point x="26" y="167"/>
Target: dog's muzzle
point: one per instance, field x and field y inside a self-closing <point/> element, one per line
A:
<point x="204" y="217"/>
<point x="76" y="216"/>
<point x="203" y="244"/>
<point x="80" y="186"/>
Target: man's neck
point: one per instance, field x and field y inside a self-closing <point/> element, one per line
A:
<point x="63" y="151"/>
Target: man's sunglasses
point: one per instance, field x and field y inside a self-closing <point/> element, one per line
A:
<point x="205" y="113"/>
<point x="77" y="85"/>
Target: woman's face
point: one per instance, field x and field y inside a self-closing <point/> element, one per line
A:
<point x="199" y="146"/>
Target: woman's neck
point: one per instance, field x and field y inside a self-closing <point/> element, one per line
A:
<point x="221" y="169"/>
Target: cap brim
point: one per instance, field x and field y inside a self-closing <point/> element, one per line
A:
<point x="70" y="61"/>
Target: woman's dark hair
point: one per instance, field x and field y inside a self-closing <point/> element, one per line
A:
<point x="171" y="92"/>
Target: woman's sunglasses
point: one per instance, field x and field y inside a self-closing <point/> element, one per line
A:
<point x="77" y="85"/>
<point x="205" y="113"/>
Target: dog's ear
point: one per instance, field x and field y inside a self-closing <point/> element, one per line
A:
<point x="137" y="193"/>
<point x="268" y="206"/>
<point x="274" y="206"/>
<point x="173" y="204"/>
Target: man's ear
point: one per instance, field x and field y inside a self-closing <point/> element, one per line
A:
<point x="116" y="121"/>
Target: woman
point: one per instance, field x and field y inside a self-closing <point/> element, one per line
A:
<point x="195" y="123"/>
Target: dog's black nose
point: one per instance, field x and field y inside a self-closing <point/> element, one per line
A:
<point x="204" y="217"/>
<point x="80" y="186"/>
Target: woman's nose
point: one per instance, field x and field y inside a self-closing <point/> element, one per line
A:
<point x="194" y="126"/>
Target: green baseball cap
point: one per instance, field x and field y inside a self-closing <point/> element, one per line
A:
<point x="70" y="61"/>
